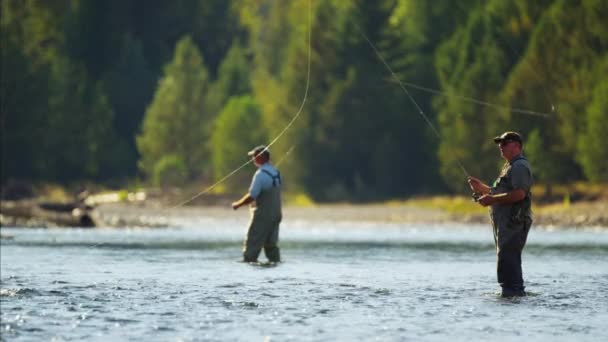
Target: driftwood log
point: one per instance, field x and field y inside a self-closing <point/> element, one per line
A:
<point x="60" y="214"/>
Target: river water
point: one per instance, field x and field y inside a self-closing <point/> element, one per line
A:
<point x="341" y="281"/>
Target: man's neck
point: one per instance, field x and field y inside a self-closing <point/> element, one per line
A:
<point x="516" y="156"/>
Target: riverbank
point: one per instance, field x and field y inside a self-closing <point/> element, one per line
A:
<point x="420" y="211"/>
<point x="567" y="207"/>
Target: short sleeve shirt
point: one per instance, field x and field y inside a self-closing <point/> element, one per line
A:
<point x="516" y="174"/>
<point x="261" y="180"/>
<point x="521" y="175"/>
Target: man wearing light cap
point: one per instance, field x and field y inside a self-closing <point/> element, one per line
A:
<point x="510" y="204"/>
<point x="265" y="198"/>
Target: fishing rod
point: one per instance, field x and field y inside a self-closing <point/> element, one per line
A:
<point x="420" y="111"/>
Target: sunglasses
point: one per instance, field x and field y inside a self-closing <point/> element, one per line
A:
<point x="505" y="143"/>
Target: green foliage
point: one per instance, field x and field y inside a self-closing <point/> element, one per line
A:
<point x="233" y="78"/>
<point x="79" y="125"/>
<point x="557" y="74"/>
<point x="129" y="88"/>
<point x="24" y="82"/>
<point x="352" y="130"/>
<point x="21" y="117"/>
<point x="170" y="170"/>
<point x="540" y="157"/>
<point x="237" y="129"/>
<point x="115" y="55"/>
<point x="177" y="122"/>
<point x="476" y="62"/>
<point x="593" y="154"/>
<point x="92" y="89"/>
<point x="57" y="120"/>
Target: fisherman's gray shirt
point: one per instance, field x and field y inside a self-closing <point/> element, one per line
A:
<point x="262" y="181"/>
<point x="515" y="174"/>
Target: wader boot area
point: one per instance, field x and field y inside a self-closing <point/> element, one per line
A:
<point x="264" y="226"/>
<point x="510" y="240"/>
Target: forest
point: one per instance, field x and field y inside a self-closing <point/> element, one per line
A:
<point x="174" y="93"/>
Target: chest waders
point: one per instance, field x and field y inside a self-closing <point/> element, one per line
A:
<point x="511" y="224"/>
<point x="263" y="229"/>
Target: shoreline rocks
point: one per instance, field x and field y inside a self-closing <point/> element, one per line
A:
<point x="153" y="214"/>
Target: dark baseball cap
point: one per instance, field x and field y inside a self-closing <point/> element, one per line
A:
<point x="512" y="136"/>
<point x="258" y="150"/>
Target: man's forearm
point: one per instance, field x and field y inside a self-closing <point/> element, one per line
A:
<point x="246" y="199"/>
<point x="509" y="197"/>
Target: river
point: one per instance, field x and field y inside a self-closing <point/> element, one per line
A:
<point x="340" y="281"/>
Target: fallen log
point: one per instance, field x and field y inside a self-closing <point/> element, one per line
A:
<point x="47" y="213"/>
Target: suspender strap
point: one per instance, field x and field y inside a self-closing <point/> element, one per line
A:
<point x="276" y="179"/>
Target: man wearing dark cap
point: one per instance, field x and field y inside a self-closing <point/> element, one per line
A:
<point x="510" y="203"/>
<point x="265" y="198"/>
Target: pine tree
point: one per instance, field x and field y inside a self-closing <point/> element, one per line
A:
<point x="237" y="129"/>
<point x="79" y="131"/>
<point x="557" y="74"/>
<point x="177" y="122"/>
<point x="593" y="154"/>
<point x="476" y="62"/>
<point x="234" y="78"/>
<point x="129" y="84"/>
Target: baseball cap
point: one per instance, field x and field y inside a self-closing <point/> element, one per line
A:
<point x="259" y="149"/>
<point x="509" y="135"/>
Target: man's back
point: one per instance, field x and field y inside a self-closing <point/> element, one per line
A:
<point x="266" y="189"/>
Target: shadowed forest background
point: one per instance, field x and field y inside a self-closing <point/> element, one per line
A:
<point x="176" y="92"/>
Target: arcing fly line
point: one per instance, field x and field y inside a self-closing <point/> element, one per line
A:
<point x="295" y="117"/>
<point x="420" y="111"/>
<point x="284" y="156"/>
<point x="489" y="104"/>
<point x="479" y="102"/>
<point x="534" y="71"/>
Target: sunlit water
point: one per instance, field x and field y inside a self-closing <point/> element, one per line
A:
<point x="343" y="281"/>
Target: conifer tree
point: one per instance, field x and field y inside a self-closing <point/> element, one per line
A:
<point x="593" y="154"/>
<point x="237" y="129"/>
<point x="234" y="78"/>
<point x="177" y="122"/>
<point x="129" y="85"/>
<point x="79" y="125"/>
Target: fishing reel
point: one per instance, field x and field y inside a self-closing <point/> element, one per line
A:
<point x="475" y="197"/>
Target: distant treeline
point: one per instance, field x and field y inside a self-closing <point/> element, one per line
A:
<point x="174" y="92"/>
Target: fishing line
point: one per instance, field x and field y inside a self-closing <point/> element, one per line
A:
<point x="284" y="156"/>
<point x="479" y="102"/>
<point x="420" y="111"/>
<point x="490" y="104"/>
<point x="295" y="117"/>
<point x="541" y="79"/>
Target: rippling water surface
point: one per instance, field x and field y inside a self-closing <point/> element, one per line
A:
<point x="340" y="281"/>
